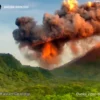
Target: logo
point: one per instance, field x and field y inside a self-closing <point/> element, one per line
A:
<point x="0" y="6"/>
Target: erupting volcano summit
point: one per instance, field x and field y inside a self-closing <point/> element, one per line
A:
<point x="71" y="22"/>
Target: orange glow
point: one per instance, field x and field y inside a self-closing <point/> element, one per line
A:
<point x="49" y="52"/>
<point x="71" y="4"/>
<point x="89" y="4"/>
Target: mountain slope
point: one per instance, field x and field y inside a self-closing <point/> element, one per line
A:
<point x="86" y="67"/>
<point x="13" y="73"/>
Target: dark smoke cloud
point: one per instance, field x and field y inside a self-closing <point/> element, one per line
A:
<point x="63" y="26"/>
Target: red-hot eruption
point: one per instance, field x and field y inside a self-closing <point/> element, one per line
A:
<point x="71" y="22"/>
<point x="49" y="52"/>
<point x="89" y="4"/>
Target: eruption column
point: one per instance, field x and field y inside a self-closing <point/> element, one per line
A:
<point x="71" y="22"/>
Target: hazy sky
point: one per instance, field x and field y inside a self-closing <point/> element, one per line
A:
<point x="36" y="9"/>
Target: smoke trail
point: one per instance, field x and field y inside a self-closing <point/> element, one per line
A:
<point x="71" y="22"/>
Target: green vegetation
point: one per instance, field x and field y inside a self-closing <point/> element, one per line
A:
<point x="75" y="82"/>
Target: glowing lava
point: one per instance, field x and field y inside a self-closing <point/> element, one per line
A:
<point x="89" y="3"/>
<point x="49" y="52"/>
<point x="70" y="3"/>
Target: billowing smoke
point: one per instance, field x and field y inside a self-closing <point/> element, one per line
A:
<point x="71" y="22"/>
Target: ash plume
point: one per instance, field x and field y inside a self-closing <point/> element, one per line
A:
<point x="71" y="22"/>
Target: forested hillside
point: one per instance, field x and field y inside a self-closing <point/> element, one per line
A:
<point x="64" y="83"/>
